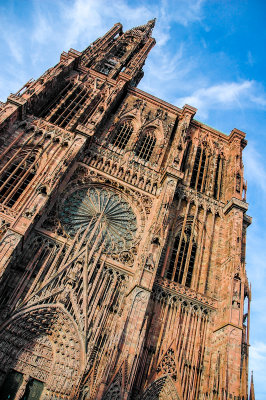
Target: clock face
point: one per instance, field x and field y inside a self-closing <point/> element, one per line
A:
<point x="103" y="213"/>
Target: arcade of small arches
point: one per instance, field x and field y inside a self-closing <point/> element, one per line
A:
<point x="133" y="175"/>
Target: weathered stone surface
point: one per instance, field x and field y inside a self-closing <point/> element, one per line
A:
<point x="123" y="227"/>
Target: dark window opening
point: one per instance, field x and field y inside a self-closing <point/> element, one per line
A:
<point x="120" y="51"/>
<point x="67" y="105"/>
<point x="122" y="135"/>
<point x="145" y="145"/>
<point x="33" y="390"/>
<point x="218" y="178"/>
<point x="15" y="180"/>
<point x="198" y="180"/>
<point x="72" y="104"/>
<point x="11" y="384"/>
<point x="185" y="157"/>
<point x="106" y="67"/>
<point x="68" y="88"/>
<point x="180" y="270"/>
<point x="238" y="183"/>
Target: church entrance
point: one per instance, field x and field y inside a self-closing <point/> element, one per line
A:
<point x="12" y="384"/>
<point x="33" y="390"/>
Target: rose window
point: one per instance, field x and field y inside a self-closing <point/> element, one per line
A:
<point x="102" y="215"/>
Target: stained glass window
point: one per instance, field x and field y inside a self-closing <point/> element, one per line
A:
<point x="105" y="215"/>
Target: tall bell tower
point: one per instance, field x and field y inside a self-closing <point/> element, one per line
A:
<point x="122" y="238"/>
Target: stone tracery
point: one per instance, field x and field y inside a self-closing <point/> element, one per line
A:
<point x="85" y="304"/>
<point x="115" y="220"/>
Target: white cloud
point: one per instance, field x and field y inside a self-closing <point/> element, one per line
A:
<point x="258" y="363"/>
<point x="250" y="59"/>
<point x="255" y="170"/>
<point x="12" y="37"/>
<point x="43" y="30"/>
<point x="224" y="95"/>
<point x="182" y="11"/>
<point x="94" y="18"/>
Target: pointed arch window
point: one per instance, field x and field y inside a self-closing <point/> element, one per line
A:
<point x="122" y="135"/>
<point x="120" y="51"/>
<point x="185" y="156"/>
<point x="145" y="145"/>
<point x="182" y="259"/>
<point x="198" y="178"/>
<point x="66" y="106"/>
<point x="106" y="68"/>
<point x="218" y="178"/>
<point x="15" y="179"/>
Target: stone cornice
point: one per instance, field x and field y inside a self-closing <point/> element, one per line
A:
<point x="186" y="293"/>
<point x="247" y="220"/>
<point x="200" y="198"/>
<point x="189" y="109"/>
<point x="236" y="133"/>
<point x="226" y="325"/>
<point x="172" y="173"/>
<point x="155" y="100"/>
<point x="235" y="203"/>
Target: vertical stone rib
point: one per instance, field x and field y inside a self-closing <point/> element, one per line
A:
<point x="191" y="241"/>
<point x="180" y="240"/>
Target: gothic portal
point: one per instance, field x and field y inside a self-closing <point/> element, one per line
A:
<point x="123" y="228"/>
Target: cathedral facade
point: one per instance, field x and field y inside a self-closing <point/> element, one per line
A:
<point x="122" y="238"/>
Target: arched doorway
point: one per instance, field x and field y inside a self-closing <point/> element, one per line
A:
<point x="43" y="346"/>
<point x="161" y="389"/>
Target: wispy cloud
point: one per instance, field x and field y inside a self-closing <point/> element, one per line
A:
<point x="257" y="364"/>
<point x="43" y="28"/>
<point x="12" y="35"/>
<point x="255" y="170"/>
<point x="57" y="26"/>
<point x="250" y="59"/>
<point x="227" y="94"/>
<point x="82" y="14"/>
<point x="184" y="13"/>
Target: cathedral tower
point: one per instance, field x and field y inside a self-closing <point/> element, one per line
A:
<point x="122" y="238"/>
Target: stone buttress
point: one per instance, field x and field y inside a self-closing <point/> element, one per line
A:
<point x="122" y="238"/>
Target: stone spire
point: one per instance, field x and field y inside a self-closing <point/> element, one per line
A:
<point x="146" y="28"/>
<point x="252" y="390"/>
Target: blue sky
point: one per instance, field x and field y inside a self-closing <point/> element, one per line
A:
<point x="209" y="54"/>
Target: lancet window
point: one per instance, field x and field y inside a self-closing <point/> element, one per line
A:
<point x="198" y="178"/>
<point x="67" y="104"/>
<point x="105" y="69"/>
<point x="122" y="135"/>
<point x="120" y="51"/>
<point x="218" y="178"/>
<point x="16" y="178"/>
<point x="182" y="258"/>
<point x="185" y="156"/>
<point x="107" y="66"/>
<point x="145" y="145"/>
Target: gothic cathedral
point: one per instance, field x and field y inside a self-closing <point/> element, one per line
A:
<point x="122" y="238"/>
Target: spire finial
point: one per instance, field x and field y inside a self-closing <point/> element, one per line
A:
<point x="147" y="28"/>
<point x="151" y="23"/>
<point x="252" y="389"/>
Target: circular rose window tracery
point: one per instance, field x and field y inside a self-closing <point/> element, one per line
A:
<point x="105" y="215"/>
